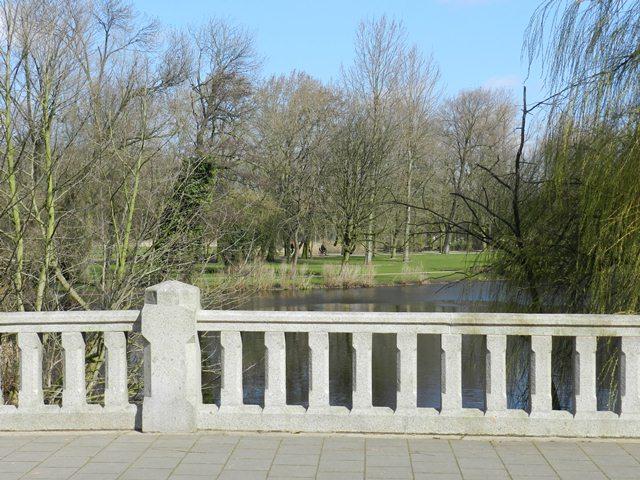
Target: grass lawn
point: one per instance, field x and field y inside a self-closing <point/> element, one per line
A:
<point x="425" y="266"/>
<point x="429" y="265"/>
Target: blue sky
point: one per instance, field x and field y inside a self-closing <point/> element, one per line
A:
<point x="475" y="42"/>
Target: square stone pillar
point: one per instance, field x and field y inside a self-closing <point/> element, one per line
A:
<point x="275" y="395"/>
<point x="496" y="373"/>
<point x="541" y="346"/>
<point x="30" y="395"/>
<point x="407" y="364"/>
<point x="585" y="376"/>
<point x="318" y="371"/>
<point x="362" y="381"/>
<point x="451" y="364"/>
<point x="630" y="377"/>
<point x="231" y="395"/>
<point x="168" y="325"/>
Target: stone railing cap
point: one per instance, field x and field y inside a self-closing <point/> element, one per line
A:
<point x="172" y="292"/>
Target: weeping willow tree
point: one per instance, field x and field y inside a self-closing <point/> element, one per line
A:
<point x="585" y="240"/>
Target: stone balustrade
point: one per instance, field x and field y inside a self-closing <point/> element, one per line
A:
<point x="75" y="413"/>
<point x="171" y="320"/>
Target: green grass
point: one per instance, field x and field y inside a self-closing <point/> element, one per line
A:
<point x="429" y="266"/>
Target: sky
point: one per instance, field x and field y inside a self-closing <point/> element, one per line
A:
<point x="475" y="42"/>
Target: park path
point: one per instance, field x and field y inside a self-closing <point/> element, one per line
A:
<point x="137" y="456"/>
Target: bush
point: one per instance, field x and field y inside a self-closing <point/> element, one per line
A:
<point x="348" y="276"/>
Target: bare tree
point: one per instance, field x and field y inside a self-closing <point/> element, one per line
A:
<point x="294" y="123"/>
<point x="417" y="108"/>
<point x="473" y="124"/>
<point x="373" y="81"/>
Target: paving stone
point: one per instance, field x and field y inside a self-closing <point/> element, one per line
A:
<point x="145" y="474"/>
<point x="210" y="455"/>
<point x="199" y="457"/>
<point x="515" y="459"/>
<point x="199" y="469"/>
<point x="250" y="464"/>
<point x="40" y="447"/>
<point x="332" y="456"/>
<point x="620" y="472"/>
<point x="156" y="462"/>
<point x="243" y="475"/>
<point x="259" y="443"/>
<point x="50" y="473"/>
<point x="437" y="476"/>
<point x="339" y="476"/>
<point x="293" y="471"/>
<point x="389" y="472"/>
<point x="342" y="466"/>
<point x="293" y="459"/>
<point x="55" y="461"/>
<point x="436" y="468"/>
<point x="112" y="467"/>
<point x="253" y="453"/>
<point x="573" y="475"/>
<point x="388" y="461"/>
<point x="29" y="456"/>
<point x="117" y="456"/>
<point x="485" y="474"/>
<point x="531" y="470"/>
<point x="16" y="467"/>
<point x="618" y="460"/>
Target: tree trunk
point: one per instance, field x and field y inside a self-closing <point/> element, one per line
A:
<point x="407" y="225"/>
<point x="296" y="253"/>
<point x="271" y="251"/>
<point x="368" y="257"/>
<point x="447" y="241"/>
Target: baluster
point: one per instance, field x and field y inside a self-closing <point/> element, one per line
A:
<point x="585" y="375"/>
<point x="319" y="374"/>
<point x="1" y="385"/>
<point x="630" y="376"/>
<point x="275" y="396"/>
<point x="231" y="391"/>
<point x="407" y="344"/>
<point x="116" y="394"/>
<point x="30" y="396"/>
<point x="541" y="378"/>
<point x="194" y="369"/>
<point x="74" y="392"/>
<point x="496" y="373"/>
<point x="451" y="384"/>
<point x="362" y="388"/>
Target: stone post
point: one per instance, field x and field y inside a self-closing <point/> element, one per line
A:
<point x="362" y="381"/>
<point x="319" y="371"/>
<point x="407" y="364"/>
<point x="451" y="365"/>
<point x="541" y="404"/>
<point x="168" y="325"/>
<point x="630" y="377"/>
<point x="496" y="373"/>
<point x="30" y="396"/>
<point x="585" y="376"/>
<point x="74" y="393"/>
<point x="275" y="395"/>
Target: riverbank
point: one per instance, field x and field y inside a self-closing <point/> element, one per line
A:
<point x="326" y="272"/>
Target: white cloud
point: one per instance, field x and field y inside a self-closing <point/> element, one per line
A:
<point x="505" y="81"/>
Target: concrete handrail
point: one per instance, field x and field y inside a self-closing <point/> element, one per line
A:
<point x="75" y="412"/>
<point x="172" y="317"/>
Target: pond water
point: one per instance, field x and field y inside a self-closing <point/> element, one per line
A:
<point x="477" y="296"/>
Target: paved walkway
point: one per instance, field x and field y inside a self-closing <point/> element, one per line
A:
<point x="136" y="456"/>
